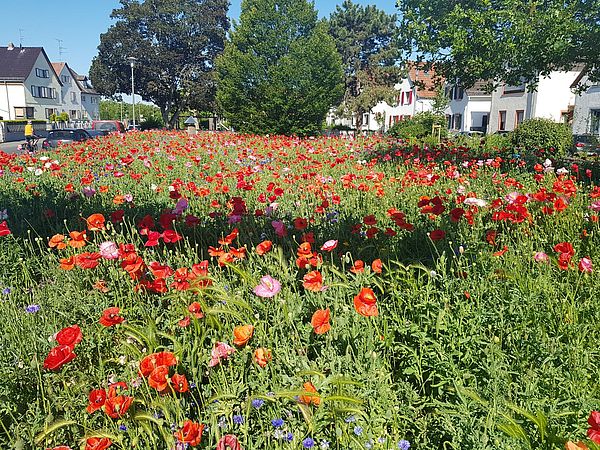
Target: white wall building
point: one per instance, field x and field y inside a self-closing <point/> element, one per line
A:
<point x="552" y="100"/>
<point x="29" y="86"/>
<point x="586" y="116"/>
<point x="469" y="109"/>
<point x="79" y="100"/>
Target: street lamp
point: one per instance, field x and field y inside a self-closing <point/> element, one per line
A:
<point x="132" y="61"/>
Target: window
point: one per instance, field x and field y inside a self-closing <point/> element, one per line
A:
<point x="82" y="98"/>
<point x="65" y="79"/>
<point x="73" y="114"/>
<point x="43" y="92"/>
<point x="595" y="121"/>
<point x="508" y="89"/>
<point x="42" y="73"/>
<point x="449" y="121"/>
<point x="73" y="97"/>
<point x="408" y="97"/>
<point x="457" y="125"/>
<point x="519" y="116"/>
<point x="366" y="119"/>
<point x="24" y="113"/>
<point x="502" y="121"/>
<point x="50" y="111"/>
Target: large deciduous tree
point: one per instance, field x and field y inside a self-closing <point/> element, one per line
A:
<point x="367" y="39"/>
<point x="503" y="40"/>
<point x="175" y="43"/>
<point x="280" y="72"/>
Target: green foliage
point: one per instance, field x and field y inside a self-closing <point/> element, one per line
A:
<point x="497" y="142"/>
<point x="419" y="126"/>
<point x="367" y="39"/>
<point x="504" y="40"/>
<point x="175" y="43"/>
<point x="536" y="134"/>
<point x="62" y="117"/>
<point x="151" y="123"/>
<point x="280" y="72"/>
<point x="114" y="110"/>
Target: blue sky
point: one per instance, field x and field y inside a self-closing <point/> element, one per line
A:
<point x="78" y="24"/>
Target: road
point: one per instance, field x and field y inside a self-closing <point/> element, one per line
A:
<point x="10" y="147"/>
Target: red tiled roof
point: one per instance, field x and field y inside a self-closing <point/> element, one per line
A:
<point x="425" y="79"/>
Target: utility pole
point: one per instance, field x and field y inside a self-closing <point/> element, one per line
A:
<point x="132" y="61"/>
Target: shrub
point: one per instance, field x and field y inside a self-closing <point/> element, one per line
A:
<point x="536" y="134"/>
<point x="497" y="142"/>
<point x="418" y="126"/>
<point x="151" y="123"/>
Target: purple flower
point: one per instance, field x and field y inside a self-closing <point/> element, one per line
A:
<point x="277" y="423"/>
<point x="308" y="443"/>
<point x="32" y="309"/>
<point x="257" y="403"/>
<point x="358" y="430"/>
<point x="403" y="445"/>
<point x="268" y="287"/>
<point x="238" y="419"/>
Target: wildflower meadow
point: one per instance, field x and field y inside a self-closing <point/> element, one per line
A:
<point x="166" y="291"/>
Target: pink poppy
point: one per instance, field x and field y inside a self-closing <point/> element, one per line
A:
<point x="220" y="351"/>
<point x="329" y="245"/>
<point x="268" y="287"/>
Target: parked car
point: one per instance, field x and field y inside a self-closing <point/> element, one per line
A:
<point x="108" y="126"/>
<point x="586" y="143"/>
<point x="66" y="136"/>
<point x="133" y="128"/>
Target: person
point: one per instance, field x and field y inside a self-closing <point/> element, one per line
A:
<point x="29" y="135"/>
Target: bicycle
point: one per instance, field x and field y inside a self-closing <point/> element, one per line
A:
<point x="32" y="145"/>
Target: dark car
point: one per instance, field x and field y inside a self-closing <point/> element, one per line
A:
<point x="66" y="136"/>
<point x="108" y="126"/>
<point x="587" y="144"/>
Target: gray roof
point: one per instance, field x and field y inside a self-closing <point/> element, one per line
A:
<point x="16" y="64"/>
<point x="479" y="88"/>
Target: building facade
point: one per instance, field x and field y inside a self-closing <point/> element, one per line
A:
<point x="468" y="109"/>
<point x="586" y="116"/>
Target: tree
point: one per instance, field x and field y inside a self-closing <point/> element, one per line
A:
<point x="115" y="110"/>
<point x="175" y="43"/>
<point x="511" y="41"/>
<point x="280" y="72"/>
<point x="367" y="40"/>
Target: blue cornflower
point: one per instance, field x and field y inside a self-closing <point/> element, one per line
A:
<point x="32" y="309"/>
<point x="403" y="445"/>
<point x="122" y="428"/>
<point x="308" y="443"/>
<point x="277" y="423"/>
<point x="369" y="444"/>
<point x="238" y="419"/>
<point x="6" y="291"/>
<point x="358" y="430"/>
<point x="350" y="419"/>
<point x="257" y="403"/>
<point x="289" y="437"/>
<point x="381" y="440"/>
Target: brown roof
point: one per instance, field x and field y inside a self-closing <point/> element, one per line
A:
<point x="16" y="63"/>
<point x="479" y="88"/>
<point x="425" y="79"/>
<point x="58" y="67"/>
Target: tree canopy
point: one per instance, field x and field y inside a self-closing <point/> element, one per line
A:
<point x="508" y="41"/>
<point x="280" y="71"/>
<point x="175" y="43"/>
<point x="367" y="40"/>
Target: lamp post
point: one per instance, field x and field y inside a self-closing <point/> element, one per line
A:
<point x="132" y="61"/>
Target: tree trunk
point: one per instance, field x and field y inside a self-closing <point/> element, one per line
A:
<point x="359" y="119"/>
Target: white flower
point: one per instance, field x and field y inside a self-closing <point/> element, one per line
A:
<point x="475" y="202"/>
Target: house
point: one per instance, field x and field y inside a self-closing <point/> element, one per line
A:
<point x="29" y="86"/>
<point x="586" y="115"/>
<point x="415" y="94"/>
<point x="468" y="109"/>
<point x="79" y="100"/>
<point x="553" y="99"/>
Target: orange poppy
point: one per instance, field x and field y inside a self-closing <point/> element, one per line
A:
<point x="67" y="263"/>
<point x="262" y="356"/>
<point x="313" y="281"/>
<point x="358" y="267"/>
<point x="573" y="446"/>
<point x="96" y="222"/>
<point x="78" y="239"/>
<point x="159" y="378"/>
<point x="320" y="321"/>
<point x="377" y="266"/>
<point x="242" y="334"/>
<point x="119" y="199"/>
<point x="57" y="241"/>
<point x="365" y="303"/>
<point x="308" y="399"/>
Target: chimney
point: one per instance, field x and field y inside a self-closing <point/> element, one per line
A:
<point x="11" y="46"/>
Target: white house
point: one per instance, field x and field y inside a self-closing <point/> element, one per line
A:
<point x="469" y="109"/>
<point x="552" y="100"/>
<point x="415" y="94"/>
<point x="29" y="86"/>
<point x="79" y="100"/>
<point x="586" y="116"/>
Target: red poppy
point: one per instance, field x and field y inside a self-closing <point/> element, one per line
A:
<point x="365" y="303"/>
<point x="262" y="356"/>
<point x="4" y="231"/>
<point x="228" y="442"/>
<point x="594" y="422"/>
<point x="320" y="321"/>
<point x="228" y="240"/>
<point x="180" y="383"/>
<point x="116" y="406"/>
<point x="160" y="271"/>
<point x="171" y="236"/>
<point x="67" y="263"/>
<point x="88" y="260"/>
<point x="501" y="252"/>
<point x="78" y="239"/>
<point x="264" y="247"/>
<point x="313" y="281"/>
<point x="96" y="222"/>
<point x="300" y="223"/>
<point x="57" y="241"/>
<point x="150" y="362"/>
<point x="377" y="266"/>
<point x="97" y="443"/>
<point x="369" y="220"/>
<point x="358" y="267"/>
<point x="437" y="235"/>
<point x="196" y="310"/>
<point x="58" y="357"/>
<point x="97" y="398"/>
<point x="110" y="317"/>
<point x="69" y="336"/>
<point x="190" y="433"/>
<point x="158" y="379"/>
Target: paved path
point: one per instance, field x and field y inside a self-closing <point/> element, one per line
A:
<point x="10" y="147"/>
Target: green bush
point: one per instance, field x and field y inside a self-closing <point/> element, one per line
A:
<point x="537" y="134"/>
<point x="497" y="142"/>
<point x="418" y="126"/>
<point x="151" y="123"/>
